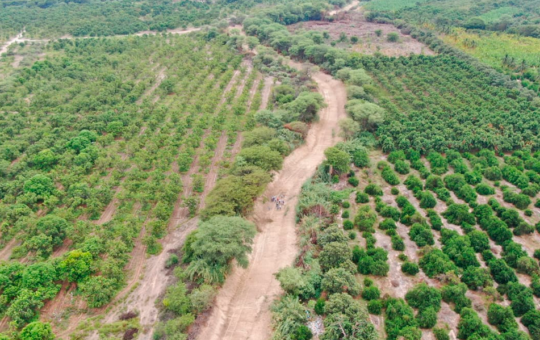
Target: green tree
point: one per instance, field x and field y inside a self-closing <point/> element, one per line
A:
<point x="40" y="185"/>
<point x="218" y="241"/>
<point x="76" y="265"/>
<point x="37" y="331"/>
<point x="339" y="160"/>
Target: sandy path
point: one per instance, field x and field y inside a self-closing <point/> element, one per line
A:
<point x="344" y="9"/>
<point x="242" y="305"/>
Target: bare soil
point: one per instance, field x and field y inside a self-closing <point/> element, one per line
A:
<point x="242" y="306"/>
<point x="353" y="23"/>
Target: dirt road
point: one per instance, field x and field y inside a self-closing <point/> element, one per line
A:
<point x="242" y="305"/>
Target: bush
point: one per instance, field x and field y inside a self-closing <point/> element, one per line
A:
<point x="353" y="181"/>
<point x="441" y="334"/>
<point x="319" y="306"/>
<point x="365" y="218"/>
<point x="436" y="262"/>
<point x="397" y="243"/>
<point x="360" y="158"/>
<point x="423" y="297"/>
<point x="410" y="268"/>
<point x="427" y="200"/>
<point x="390" y="176"/>
<point x="346" y="205"/>
<point x="361" y="197"/>
<point x="394" y="191"/>
<point x="373" y="190"/>
<point x="352" y="235"/>
<point x="371" y="293"/>
<point x="345" y="214"/>
<point x="421" y="235"/>
<point x="427" y="318"/>
<point x="392" y="37"/>
<point x="402" y="167"/>
<point x="484" y="189"/>
<point x="302" y="333"/>
<point x="348" y="224"/>
<point x="374" y="307"/>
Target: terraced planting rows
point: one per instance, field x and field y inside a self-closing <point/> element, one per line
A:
<point x="115" y="140"/>
<point x="436" y="239"/>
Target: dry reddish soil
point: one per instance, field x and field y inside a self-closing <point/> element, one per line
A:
<point x="353" y="23"/>
<point x="242" y="306"/>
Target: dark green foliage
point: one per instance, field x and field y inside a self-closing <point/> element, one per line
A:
<point x="427" y="201"/>
<point x="390" y="176"/>
<point x="479" y="240"/>
<point x="502" y="318"/>
<point x="371" y="293"/>
<point x="470" y="326"/>
<point x="396" y="156"/>
<point x="413" y="183"/>
<point x="372" y="261"/>
<point x="501" y="272"/>
<point x="365" y="218"/>
<point x="531" y="320"/>
<point x="455" y="294"/>
<point x="421" y="235"/>
<point x="302" y="333"/>
<point x="399" y="318"/>
<point x="402" y="167"/>
<point x="348" y="224"/>
<point x="361" y="197"/>
<point x="454" y="182"/>
<point x="434" y="182"/>
<point x="521" y="201"/>
<point x="521" y="297"/>
<point x="484" y="189"/>
<point x="476" y="278"/>
<point x="434" y="219"/>
<point x="360" y="158"/>
<point x="439" y="164"/>
<point x="427" y="318"/>
<point x="459" y="214"/>
<point x="373" y="190"/>
<point x="493" y="173"/>
<point x="441" y="334"/>
<point x="374" y="307"/>
<point x="410" y="268"/>
<point x="319" y="306"/>
<point x="423" y="297"/>
<point x="397" y="243"/>
<point x="436" y="262"/>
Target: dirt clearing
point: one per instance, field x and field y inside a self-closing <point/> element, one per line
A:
<point x="242" y="305"/>
<point x="354" y="23"/>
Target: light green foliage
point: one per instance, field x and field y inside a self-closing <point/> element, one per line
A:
<point x="37" y="331"/>
<point x="338" y="159"/>
<point x="369" y="115"/>
<point x="218" y="241"/>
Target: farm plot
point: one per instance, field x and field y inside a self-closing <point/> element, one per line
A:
<point x="435" y="103"/>
<point x="351" y="31"/>
<point x="99" y="149"/>
<point x="410" y="239"/>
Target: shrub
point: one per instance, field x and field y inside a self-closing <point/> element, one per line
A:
<point x="456" y="294"/>
<point x="410" y="268"/>
<point x="353" y="181"/>
<point x="436" y="262"/>
<point x="394" y="191"/>
<point x="441" y="334"/>
<point x="395" y="156"/>
<point x="374" y="307"/>
<point x="352" y="235"/>
<point x="348" y="224"/>
<point x="346" y="205"/>
<point x="397" y="243"/>
<point x="345" y="214"/>
<point x="484" y="189"/>
<point x="427" y="318"/>
<point x="435" y="220"/>
<point x="360" y="158"/>
<point x="423" y="297"/>
<point x="421" y="235"/>
<point x="361" y="197"/>
<point x="413" y="183"/>
<point x="390" y="176"/>
<point x="427" y="200"/>
<point x="392" y="37"/>
<point x="371" y="293"/>
<point x="402" y="167"/>
<point x="319" y="306"/>
<point x="476" y="278"/>
<point x="365" y="218"/>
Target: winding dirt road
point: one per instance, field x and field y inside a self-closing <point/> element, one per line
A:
<point x="242" y="309"/>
